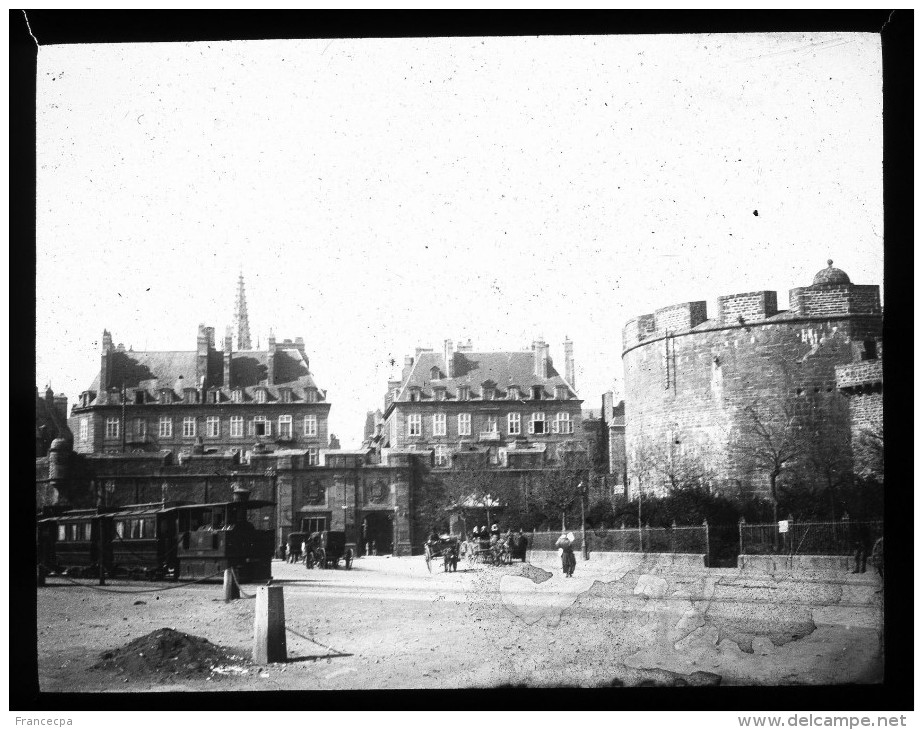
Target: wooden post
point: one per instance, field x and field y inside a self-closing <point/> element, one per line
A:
<point x="231" y="591"/>
<point x="101" y="525"/>
<point x="740" y="530"/>
<point x="269" y="626"/>
<point x="707" y="545"/>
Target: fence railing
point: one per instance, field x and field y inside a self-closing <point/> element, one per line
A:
<point x="633" y="540"/>
<point x="808" y="538"/>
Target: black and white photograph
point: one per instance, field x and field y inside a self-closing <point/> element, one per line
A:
<point x="478" y="361"/>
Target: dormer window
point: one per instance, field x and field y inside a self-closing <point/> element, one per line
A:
<point x="166" y="395"/>
<point x="215" y="396"/>
<point x="414" y="395"/>
<point x="512" y="392"/>
<point x="464" y="393"/>
<point x="190" y="395"/>
<point x="261" y="395"/>
<point x="487" y="393"/>
<point x="237" y="396"/>
<point x="139" y="397"/>
<point x="285" y="394"/>
<point x="434" y="373"/>
<point x="310" y="395"/>
<point x="537" y="391"/>
<point x="439" y="393"/>
<point x="560" y="392"/>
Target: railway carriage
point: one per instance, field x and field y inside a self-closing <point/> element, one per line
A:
<point x="160" y="540"/>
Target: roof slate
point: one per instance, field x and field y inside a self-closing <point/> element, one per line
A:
<point x="153" y="370"/>
<point x="473" y="369"/>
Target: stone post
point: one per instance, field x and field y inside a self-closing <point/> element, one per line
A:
<point x="231" y="591"/>
<point x="269" y="626"/>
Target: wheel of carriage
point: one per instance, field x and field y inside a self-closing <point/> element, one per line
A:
<point x="348" y="560"/>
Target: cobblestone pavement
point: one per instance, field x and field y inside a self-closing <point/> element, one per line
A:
<point x="389" y="623"/>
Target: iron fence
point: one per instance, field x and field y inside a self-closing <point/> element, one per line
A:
<point x="633" y="540"/>
<point x="808" y="538"/>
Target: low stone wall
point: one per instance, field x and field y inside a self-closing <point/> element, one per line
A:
<point x="790" y="563"/>
<point x="651" y="560"/>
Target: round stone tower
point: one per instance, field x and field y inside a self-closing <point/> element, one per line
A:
<point x="697" y="388"/>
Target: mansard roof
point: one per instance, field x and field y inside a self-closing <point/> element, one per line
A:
<point x="473" y="369"/>
<point x="154" y="370"/>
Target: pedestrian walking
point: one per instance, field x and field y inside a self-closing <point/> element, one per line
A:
<point x="565" y="544"/>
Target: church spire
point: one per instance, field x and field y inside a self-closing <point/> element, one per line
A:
<point x="241" y="323"/>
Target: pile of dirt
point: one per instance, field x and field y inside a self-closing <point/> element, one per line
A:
<point x="171" y="655"/>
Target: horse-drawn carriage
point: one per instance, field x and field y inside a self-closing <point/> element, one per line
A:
<point x="447" y="547"/>
<point x="326" y="549"/>
<point x="496" y="550"/>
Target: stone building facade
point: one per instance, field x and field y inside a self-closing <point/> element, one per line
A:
<point x="861" y="383"/>
<point x="514" y="407"/>
<point x="50" y="420"/>
<point x="220" y="400"/>
<point x="696" y="386"/>
<point x="347" y="490"/>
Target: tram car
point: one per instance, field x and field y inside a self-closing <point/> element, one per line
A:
<point x="161" y="540"/>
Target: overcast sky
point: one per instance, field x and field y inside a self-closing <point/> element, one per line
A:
<point x="380" y="194"/>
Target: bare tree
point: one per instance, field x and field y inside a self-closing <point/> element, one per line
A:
<point x="666" y="463"/>
<point x="771" y="442"/>
<point x="558" y="487"/>
<point x="473" y="487"/>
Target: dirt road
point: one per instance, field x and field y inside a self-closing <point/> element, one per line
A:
<point x="388" y="623"/>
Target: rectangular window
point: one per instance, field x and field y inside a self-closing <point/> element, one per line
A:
<point x="310" y="425"/>
<point x="537" y="391"/>
<point x="84" y="428"/>
<point x="237" y="396"/>
<point x="312" y="457"/>
<point x="166" y="396"/>
<point x="215" y="396"/>
<point x="165" y="427"/>
<point x="513" y="393"/>
<point x="62" y="533"/>
<point x="513" y="424"/>
<point x="112" y="428"/>
<point x="237" y="427"/>
<point x="259" y="426"/>
<point x="311" y="395"/>
<point x="189" y="427"/>
<point x="140" y="428"/>
<point x="488" y="394"/>
<point x="286" y="395"/>
<point x="213" y="427"/>
<point x="439" y="424"/>
<point x="86" y="530"/>
<point x="414" y="424"/>
<point x="120" y="528"/>
<point x="261" y="396"/>
<point x="442" y="455"/>
<point x="285" y="427"/>
<point x="490" y="425"/>
<point x="562" y="423"/>
<point x="464" y="424"/>
<point x="463" y="393"/>
<point x="537" y="424"/>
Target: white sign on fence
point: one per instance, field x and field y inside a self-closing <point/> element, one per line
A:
<point x="783" y="526"/>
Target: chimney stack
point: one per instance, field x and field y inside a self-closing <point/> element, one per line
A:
<point x="449" y="359"/>
<point x="228" y="352"/>
<point x="540" y="352"/>
<point x="205" y="336"/>
<point x="105" y="365"/>
<point x="569" y="362"/>
<point x="270" y="361"/>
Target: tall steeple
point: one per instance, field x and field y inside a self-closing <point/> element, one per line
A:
<point x="241" y="323"/>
